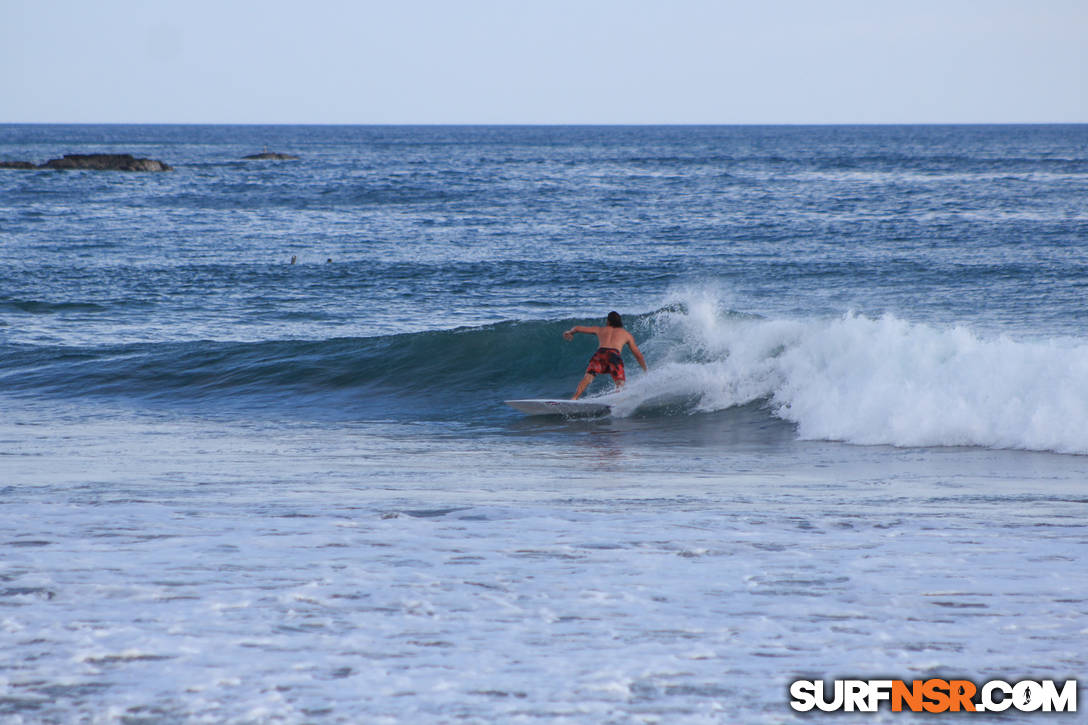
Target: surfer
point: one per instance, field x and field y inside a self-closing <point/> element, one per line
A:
<point x="609" y="356"/>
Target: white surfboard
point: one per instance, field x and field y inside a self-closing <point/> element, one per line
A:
<point x="569" y="408"/>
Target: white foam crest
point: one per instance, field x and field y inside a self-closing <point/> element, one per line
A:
<point x="872" y="381"/>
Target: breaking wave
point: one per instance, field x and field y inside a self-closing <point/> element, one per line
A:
<point x="853" y="378"/>
<point x="876" y="380"/>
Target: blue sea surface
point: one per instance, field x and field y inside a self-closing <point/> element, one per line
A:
<point x="255" y="464"/>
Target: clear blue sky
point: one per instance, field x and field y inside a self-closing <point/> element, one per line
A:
<point x="544" y="61"/>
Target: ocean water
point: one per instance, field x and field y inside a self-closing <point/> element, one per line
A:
<point x="255" y="465"/>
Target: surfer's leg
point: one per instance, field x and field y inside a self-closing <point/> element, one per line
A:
<point x="586" y="380"/>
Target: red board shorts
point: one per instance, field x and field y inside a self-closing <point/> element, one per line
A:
<point x="607" y="360"/>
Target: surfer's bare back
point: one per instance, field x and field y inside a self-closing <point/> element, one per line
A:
<point x="609" y="356"/>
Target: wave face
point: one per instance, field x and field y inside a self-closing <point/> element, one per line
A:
<point x="877" y="380"/>
<point x="856" y="379"/>
<point x="415" y="375"/>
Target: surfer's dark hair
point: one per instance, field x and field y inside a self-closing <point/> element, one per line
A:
<point x="614" y="319"/>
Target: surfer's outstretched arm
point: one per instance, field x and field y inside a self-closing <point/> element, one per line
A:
<point x="569" y="334"/>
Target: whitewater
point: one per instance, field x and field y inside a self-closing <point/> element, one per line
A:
<point x="874" y="380"/>
<point x="255" y="466"/>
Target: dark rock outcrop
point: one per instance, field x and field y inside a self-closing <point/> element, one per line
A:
<point x="106" y="162"/>
<point x="95" y="162"/>
<point x="270" y="155"/>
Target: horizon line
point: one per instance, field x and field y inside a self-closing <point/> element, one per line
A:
<point x="534" y="124"/>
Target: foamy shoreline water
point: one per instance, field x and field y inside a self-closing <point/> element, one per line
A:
<point x="593" y="578"/>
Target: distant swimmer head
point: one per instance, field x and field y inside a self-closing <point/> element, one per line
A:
<point x="614" y="319"/>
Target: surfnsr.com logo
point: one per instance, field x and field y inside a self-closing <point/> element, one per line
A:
<point x="934" y="695"/>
